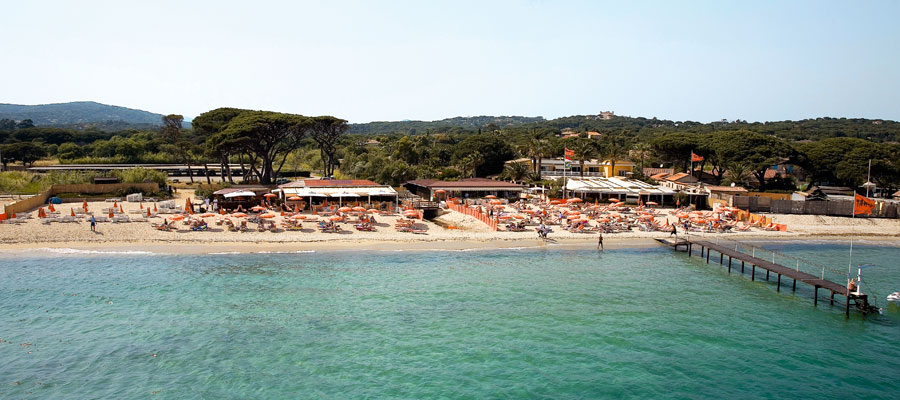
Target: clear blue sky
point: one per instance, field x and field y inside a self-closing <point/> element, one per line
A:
<point x="392" y="60"/>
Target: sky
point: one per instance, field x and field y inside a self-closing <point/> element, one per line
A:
<point x="425" y="60"/>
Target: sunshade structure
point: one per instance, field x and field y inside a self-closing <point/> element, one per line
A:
<point x="342" y="191"/>
<point x="618" y="188"/>
<point x="464" y="188"/>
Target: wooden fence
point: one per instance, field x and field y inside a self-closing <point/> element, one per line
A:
<point x="474" y="212"/>
<point x="838" y="208"/>
<point x="41" y="198"/>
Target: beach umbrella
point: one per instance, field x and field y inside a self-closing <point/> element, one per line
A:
<point x="574" y="200"/>
<point x="51" y="208"/>
<point x="207" y="215"/>
<point x="359" y="208"/>
<point x="154" y="207"/>
<point x="496" y="202"/>
<point x="344" y="209"/>
<point x="73" y="211"/>
<point x="257" y="208"/>
<point x="148" y="211"/>
<point x="299" y="217"/>
<point x="111" y="214"/>
<point x="270" y="195"/>
<point x="295" y="198"/>
<point x="335" y="218"/>
<point x="177" y="217"/>
<point x="490" y="196"/>
<point x="268" y="215"/>
<point x="239" y="215"/>
<point x="651" y="203"/>
<point x="115" y="204"/>
<point x="121" y="210"/>
<point x="372" y="211"/>
<point x="519" y="216"/>
<point x="41" y="213"/>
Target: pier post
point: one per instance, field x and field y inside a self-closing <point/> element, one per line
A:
<point x="753" y="273"/>
<point x="767" y="275"/>
<point x="832" y="298"/>
<point x="707" y="256"/>
<point x="729" y="264"/>
<point x="779" y="283"/>
<point x="816" y="296"/>
<point x="721" y="258"/>
<point x="795" y="285"/>
<point x="847" y="306"/>
<point x="742" y="267"/>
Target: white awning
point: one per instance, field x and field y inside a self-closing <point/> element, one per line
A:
<point x="337" y="192"/>
<point x="242" y="193"/>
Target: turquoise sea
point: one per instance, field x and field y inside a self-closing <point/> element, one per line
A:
<point x="523" y="323"/>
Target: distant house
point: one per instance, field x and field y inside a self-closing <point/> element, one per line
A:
<point x="656" y="171"/>
<point x="660" y="176"/>
<point x="555" y="167"/>
<point x="464" y="188"/>
<point x="679" y="181"/>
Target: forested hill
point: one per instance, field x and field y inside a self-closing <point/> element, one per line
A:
<point x="444" y="125"/>
<point x="81" y="115"/>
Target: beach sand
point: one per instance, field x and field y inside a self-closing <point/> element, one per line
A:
<point x="468" y="233"/>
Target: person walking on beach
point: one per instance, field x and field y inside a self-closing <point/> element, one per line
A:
<point x="600" y="242"/>
<point x="93" y="224"/>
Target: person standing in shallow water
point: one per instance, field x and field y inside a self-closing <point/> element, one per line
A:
<point x="600" y="241"/>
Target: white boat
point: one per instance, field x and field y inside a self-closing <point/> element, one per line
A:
<point x="894" y="296"/>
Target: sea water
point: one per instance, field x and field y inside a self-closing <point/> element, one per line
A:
<point x="532" y="323"/>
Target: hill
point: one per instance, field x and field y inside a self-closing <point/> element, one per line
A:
<point x="447" y="124"/>
<point x="81" y="115"/>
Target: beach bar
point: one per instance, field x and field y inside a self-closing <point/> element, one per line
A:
<point x="312" y="194"/>
<point x="470" y="188"/>
<point x="623" y="189"/>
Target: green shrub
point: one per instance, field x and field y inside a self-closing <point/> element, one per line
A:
<point x="140" y="175"/>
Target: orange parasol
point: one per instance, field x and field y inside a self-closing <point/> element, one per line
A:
<point x="335" y="218"/>
<point x="372" y="211"/>
<point x="496" y="202"/>
<point x="73" y="212"/>
<point x="177" y="217"/>
<point x="115" y="204"/>
<point x="142" y="205"/>
<point x="574" y="200"/>
<point x="239" y="215"/>
<point x="41" y="213"/>
<point x="295" y="198"/>
<point x="207" y="215"/>
<point x="269" y="215"/>
<point x="52" y="209"/>
<point x="344" y="209"/>
<point x="148" y="212"/>
<point x="299" y="217"/>
<point x="121" y="210"/>
<point x="490" y="196"/>
<point x="359" y="208"/>
<point x="154" y="207"/>
<point x="258" y="208"/>
<point x="111" y="214"/>
<point x="270" y="195"/>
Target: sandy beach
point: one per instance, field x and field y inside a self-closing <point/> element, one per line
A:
<point x="467" y="233"/>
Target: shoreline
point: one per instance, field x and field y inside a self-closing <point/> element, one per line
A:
<point x="176" y="247"/>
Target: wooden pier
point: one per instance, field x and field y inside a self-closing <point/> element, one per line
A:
<point x="860" y="301"/>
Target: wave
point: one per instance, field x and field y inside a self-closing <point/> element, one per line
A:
<point x="66" y="250"/>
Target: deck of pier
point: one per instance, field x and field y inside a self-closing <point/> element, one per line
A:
<point x="771" y="267"/>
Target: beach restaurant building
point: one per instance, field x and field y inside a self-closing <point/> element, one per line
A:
<point x="473" y="188"/>
<point x="313" y="193"/>
<point x="594" y="189"/>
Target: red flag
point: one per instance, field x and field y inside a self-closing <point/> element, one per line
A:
<point x="862" y="205"/>
<point x="696" y="158"/>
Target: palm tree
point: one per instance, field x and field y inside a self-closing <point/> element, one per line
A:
<point x="537" y="149"/>
<point x="584" y="150"/>
<point x="516" y="171"/>
<point x="642" y="149"/>
<point x="470" y="163"/>
<point x="613" y="152"/>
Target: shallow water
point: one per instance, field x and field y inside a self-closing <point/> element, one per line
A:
<point x="501" y="323"/>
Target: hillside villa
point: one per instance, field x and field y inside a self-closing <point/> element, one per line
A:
<point x="555" y="167"/>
